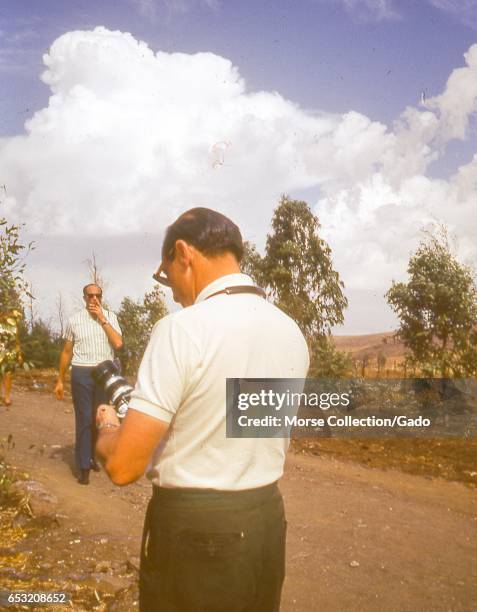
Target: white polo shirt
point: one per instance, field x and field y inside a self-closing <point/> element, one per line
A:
<point x="182" y="380"/>
<point x="90" y="342"/>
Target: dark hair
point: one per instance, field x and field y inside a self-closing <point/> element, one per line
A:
<point x="92" y="285"/>
<point x="207" y="230"/>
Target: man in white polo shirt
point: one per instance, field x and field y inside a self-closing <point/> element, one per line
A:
<point x="214" y="537"/>
<point x="91" y="336"/>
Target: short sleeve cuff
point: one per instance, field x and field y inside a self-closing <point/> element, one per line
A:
<point x="142" y="405"/>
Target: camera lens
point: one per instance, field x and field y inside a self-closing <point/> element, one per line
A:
<point x="117" y="388"/>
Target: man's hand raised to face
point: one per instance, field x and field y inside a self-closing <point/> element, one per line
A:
<point x="95" y="309"/>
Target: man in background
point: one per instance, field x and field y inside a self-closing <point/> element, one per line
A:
<point x="92" y="335"/>
<point x="214" y="534"/>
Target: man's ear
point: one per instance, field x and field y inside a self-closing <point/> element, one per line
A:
<point x="184" y="252"/>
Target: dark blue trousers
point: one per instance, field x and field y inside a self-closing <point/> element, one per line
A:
<point x="87" y="396"/>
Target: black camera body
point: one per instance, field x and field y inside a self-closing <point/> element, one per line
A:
<point x="116" y="387"/>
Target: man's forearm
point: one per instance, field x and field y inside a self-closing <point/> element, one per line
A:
<point x="114" y="338"/>
<point x="65" y="360"/>
<point x="107" y="453"/>
<point x="125" y="449"/>
<point x="106" y="443"/>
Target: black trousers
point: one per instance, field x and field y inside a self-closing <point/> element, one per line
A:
<point x="213" y="551"/>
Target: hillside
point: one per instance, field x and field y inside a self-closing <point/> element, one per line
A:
<point x="372" y="345"/>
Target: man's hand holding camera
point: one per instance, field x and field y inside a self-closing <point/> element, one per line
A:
<point x="108" y="427"/>
<point x="106" y="418"/>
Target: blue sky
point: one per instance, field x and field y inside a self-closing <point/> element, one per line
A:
<point x="327" y="57"/>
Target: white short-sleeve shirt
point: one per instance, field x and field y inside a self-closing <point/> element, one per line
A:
<point x="182" y="380"/>
<point x="90" y="342"/>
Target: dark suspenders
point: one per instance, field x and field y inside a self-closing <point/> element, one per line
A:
<point x="240" y="289"/>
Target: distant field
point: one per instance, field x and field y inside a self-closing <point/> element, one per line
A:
<point x="372" y="345"/>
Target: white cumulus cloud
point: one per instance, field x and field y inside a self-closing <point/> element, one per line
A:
<point x="131" y="137"/>
<point x="128" y="138"/>
<point x="375" y="223"/>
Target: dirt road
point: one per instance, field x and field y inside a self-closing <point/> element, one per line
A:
<point x="358" y="538"/>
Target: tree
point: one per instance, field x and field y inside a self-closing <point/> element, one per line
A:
<point x="154" y="307"/>
<point x="327" y="362"/>
<point x="95" y="272"/>
<point x="381" y="359"/>
<point x="12" y="288"/>
<point x="364" y="364"/>
<point x="136" y="319"/>
<point x="96" y="276"/>
<point x="60" y="310"/>
<point x="10" y="298"/>
<point x="40" y="345"/>
<point x="253" y="264"/>
<point x="12" y="266"/>
<point x="437" y="309"/>
<point x="299" y="270"/>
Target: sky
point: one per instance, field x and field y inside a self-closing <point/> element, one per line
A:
<point x="117" y="116"/>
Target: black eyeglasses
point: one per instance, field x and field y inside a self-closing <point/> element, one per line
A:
<point x="161" y="278"/>
<point x="92" y="295"/>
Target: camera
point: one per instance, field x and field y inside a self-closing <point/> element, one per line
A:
<point x="116" y="387"/>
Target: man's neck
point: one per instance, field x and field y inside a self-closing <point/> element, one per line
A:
<point x="213" y="269"/>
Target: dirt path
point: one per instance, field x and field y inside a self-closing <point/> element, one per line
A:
<point x="358" y="538"/>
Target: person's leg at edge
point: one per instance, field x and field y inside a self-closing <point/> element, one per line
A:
<point x="7" y="383"/>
